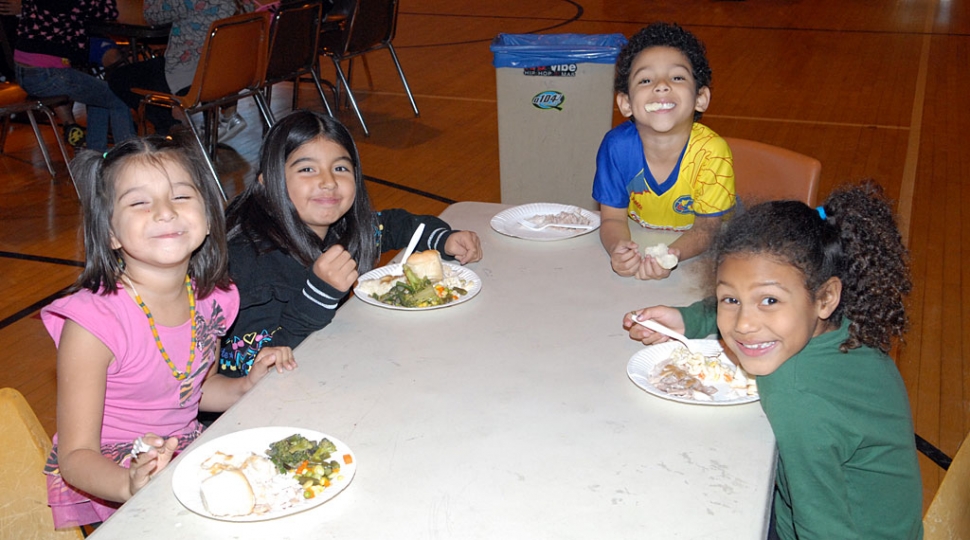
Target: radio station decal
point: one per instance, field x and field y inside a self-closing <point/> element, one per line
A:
<point x="550" y="99"/>
<point x="560" y="70"/>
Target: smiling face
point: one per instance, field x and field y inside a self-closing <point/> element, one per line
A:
<point x="764" y="312"/>
<point x="663" y="94"/>
<point x="321" y="183"/>
<point x="159" y="217"/>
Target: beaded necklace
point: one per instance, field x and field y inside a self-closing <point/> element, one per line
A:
<point x="180" y="375"/>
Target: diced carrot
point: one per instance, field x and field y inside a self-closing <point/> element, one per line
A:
<point x="326" y="482"/>
<point x="302" y="468"/>
<point x="348" y="459"/>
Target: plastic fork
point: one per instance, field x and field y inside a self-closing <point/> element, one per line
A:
<point x="657" y="327"/>
<point x="529" y="225"/>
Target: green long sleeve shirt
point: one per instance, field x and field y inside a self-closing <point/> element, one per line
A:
<point x="847" y="466"/>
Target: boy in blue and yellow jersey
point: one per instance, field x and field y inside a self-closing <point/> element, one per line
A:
<point x="662" y="169"/>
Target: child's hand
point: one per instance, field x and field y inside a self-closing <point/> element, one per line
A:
<point x="336" y="267"/>
<point x="147" y="464"/>
<point x="464" y="246"/>
<point x="650" y="269"/>
<point x="625" y="258"/>
<point x="667" y="316"/>
<point x="267" y="358"/>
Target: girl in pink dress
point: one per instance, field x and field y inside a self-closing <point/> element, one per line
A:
<point x="138" y="338"/>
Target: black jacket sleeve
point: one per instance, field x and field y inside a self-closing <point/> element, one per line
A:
<point x="307" y="312"/>
<point x="397" y="226"/>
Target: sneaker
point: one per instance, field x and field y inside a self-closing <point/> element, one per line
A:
<point x="230" y="127"/>
<point x="74" y="135"/>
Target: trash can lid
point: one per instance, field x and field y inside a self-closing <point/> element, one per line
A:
<point x="534" y="50"/>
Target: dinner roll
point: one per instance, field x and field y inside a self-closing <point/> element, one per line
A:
<point x="664" y="259"/>
<point x="228" y="493"/>
<point x="427" y="264"/>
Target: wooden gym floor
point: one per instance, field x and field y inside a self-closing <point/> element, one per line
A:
<point x="871" y="88"/>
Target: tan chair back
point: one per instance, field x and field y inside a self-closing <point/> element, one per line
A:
<point x="23" y="487"/>
<point x="948" y="516"/>
<point x="763" y="172"/>
<point x="222" y="69"/>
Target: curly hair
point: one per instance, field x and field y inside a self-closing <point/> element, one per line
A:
<point x="661" y="34"/>
<point x="857" y="241"/>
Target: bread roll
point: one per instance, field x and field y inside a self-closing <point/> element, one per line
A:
<point x="664" y="259"/>
<point x="427" y="264"/>
<point x="228" y="493"/>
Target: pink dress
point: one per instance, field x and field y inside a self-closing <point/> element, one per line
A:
<point x="141" y="395"/>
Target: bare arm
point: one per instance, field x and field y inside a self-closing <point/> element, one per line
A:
<point x="82" y="364"/>
<point x="698" y="238"/>
<point x="615" y="236"/>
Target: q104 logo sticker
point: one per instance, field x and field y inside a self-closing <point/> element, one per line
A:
<point x="550" y="99"/>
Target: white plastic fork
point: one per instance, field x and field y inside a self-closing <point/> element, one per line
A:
<point x="529" y="225"/>
<point x="657" y="327"/>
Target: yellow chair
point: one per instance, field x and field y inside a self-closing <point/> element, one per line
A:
<point x="23" y="488"/>
<point x="948" y="516"/>
<point x="763" y="172"/>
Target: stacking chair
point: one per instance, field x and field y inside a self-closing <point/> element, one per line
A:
<point x="948" y="516"/>
<point x="293" y="44"/>
<point x="232" y="66"/>
<point x="767" y="173"/>
<point x="370" y="26"/>
<point x="14" y="100"/>
<point x="23" y="487"/>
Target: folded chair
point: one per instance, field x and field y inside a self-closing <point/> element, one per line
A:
<point x="370" y="25"/>
<point x="948" y="516"/>
<point x="23" y="487"/>
<point x="293" y="44"/>
<point x="232" y="66"/>
<point x="763" y="172"/>
<point x="14" y="100"/>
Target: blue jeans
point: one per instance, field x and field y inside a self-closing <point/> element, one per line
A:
<point x="104" y="108"/>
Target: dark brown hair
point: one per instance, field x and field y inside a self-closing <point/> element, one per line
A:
<point x="852" y="236"/>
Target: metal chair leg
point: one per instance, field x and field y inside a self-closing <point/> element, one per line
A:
<point x="323" y="97"/>
<point x="60" y="144"/>
<point x="400" y="72"/>
<point x="41" y="143"/>
<point x="208" y="160"/>
<point x="350" y="96"/>
<point x="264" y="109"/>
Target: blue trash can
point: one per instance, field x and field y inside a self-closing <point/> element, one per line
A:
<point x="555" y="103"/>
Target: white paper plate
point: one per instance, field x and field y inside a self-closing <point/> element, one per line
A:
<point x="187" y="480"/>
<point x="474" y="285"/>
<point x="508" y="223"/>
<point x="643" y="363"/>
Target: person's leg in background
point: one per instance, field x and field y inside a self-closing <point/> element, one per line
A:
<point x="231" y="123"/>
<point x="86" y="89"/>
<point x="150" y="75"/>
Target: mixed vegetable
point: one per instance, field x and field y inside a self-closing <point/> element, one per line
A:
<point x="419" y="292"/>
<point x="308" y="461"/>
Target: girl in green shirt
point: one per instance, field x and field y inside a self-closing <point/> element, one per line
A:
<point x="809" y="300"/>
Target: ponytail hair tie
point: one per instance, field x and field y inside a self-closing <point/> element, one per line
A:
<point x="104" y="155"/>
<point x="821" y="212"/>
